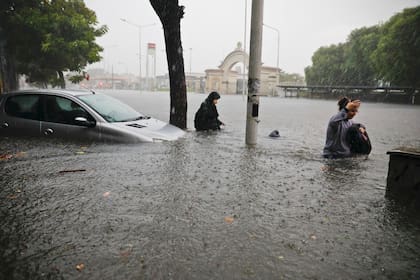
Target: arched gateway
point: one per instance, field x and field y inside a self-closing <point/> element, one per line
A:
<point x="226" y="80"/>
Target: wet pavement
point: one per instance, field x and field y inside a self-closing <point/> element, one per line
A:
<point x="207" y="206"/>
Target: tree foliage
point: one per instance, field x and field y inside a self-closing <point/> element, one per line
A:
<point x="358" y="66"/>
<point x="381" y="54"/>
<point x="327" y="66"/>
<point x="397" y="57"/>
<point x="170" y="14"/>
<point x="47" y="37"/>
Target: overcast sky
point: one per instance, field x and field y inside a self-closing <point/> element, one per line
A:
<point x="211" y="29"/>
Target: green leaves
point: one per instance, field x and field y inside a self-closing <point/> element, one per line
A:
<point x="388" y="53"/>
<point x="49" y="37"/>
<point x="397" y="57"/>
<point x="327" y="66"/>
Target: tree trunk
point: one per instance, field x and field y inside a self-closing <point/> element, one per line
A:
<point x="170" y="14"/>
<point x="8" y="76"/>
<point x="61" y="79"/>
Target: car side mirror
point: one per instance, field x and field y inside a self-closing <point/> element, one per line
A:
<point x="82" y="121"/>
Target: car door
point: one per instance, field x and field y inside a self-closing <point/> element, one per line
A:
<point x="21" y="115"/>
<point x="60" y="120"/>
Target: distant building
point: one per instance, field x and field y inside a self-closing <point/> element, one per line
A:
<point x="228" y="78"/>
<point x="195" y="82"/>
<point x="228" y="81"/>
<point x="99" y="79"/>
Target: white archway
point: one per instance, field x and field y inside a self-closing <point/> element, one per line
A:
<point x="225" y="80"/>
<point x="237" y="56"/>
<point x="228" y="77"/>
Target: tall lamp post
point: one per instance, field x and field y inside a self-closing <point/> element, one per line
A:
<point x="254" y="73"/>
<point x="244" y="69"/>
<point x="139" y="28"/>
<point x="190" y="59"/>
<point x="278" y="45"/>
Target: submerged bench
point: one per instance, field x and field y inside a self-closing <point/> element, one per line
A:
<point x="403" y="181"/>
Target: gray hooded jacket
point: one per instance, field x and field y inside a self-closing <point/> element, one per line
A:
<point x="336" y="144"/>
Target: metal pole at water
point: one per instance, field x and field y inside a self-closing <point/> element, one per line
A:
<point x="244" y="69"/>
<point x="278" y="49"/>
<point x="139" y="27"/>
<point x="254" y="72"/>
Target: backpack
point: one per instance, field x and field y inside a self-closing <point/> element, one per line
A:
<point x="359" y="142"/>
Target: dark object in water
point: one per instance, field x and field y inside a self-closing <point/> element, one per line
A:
<point x="403" y="181"/>
<point x="274" y="133"/>
<point x="359" y="142"/>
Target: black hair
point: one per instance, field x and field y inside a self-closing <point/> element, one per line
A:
<point x="213" y="95"/>
<point x="342" y="103"/>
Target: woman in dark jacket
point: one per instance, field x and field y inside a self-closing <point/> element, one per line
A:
<point x="207" y="117"/>
<point x="345" y="138"/>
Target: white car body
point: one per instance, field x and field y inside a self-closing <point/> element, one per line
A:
<point x="85" y="119"/>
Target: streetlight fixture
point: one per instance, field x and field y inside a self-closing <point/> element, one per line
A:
<point x="254" y="73"/>
<point x="139" y="28"/>
<point x="244" y="68"/>
<point x="190" y="59"/>
<point x="106" y="60"/>
<point x="278" y="44"/>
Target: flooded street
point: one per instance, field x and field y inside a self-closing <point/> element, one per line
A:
<point x="207" y="206"/>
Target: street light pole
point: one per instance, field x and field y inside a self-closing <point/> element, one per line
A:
<point x="254" y="73"/>
<point x="278" y="41"/>
<point x="244" y="69"/>
<point x="190" y="59"/>
<point x="106" y="59"/>
<point x="139" y="27"/>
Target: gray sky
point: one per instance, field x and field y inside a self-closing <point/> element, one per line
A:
<point x="211" y="29"/>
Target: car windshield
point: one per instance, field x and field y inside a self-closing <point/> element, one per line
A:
<point x="111" y="109"/>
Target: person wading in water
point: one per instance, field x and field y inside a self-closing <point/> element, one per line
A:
<point x="345" y="138"/>
<point x="207" y="117"/>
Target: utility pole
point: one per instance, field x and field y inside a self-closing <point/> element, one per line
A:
<point x="190" y="60"/>
<point x="112" y="76"/>
<point x="278" y="48"/>
<point x="244" y="69"/>
<point x="139" y="27"/>
<point x="254" y="72"/>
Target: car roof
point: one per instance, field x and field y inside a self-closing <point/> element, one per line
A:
<point x="72" y="92"/>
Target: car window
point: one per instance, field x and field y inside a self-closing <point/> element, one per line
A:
<point x="23" y="106"/>
<point x="62" y="110"/>
<point x="111" y="109"/>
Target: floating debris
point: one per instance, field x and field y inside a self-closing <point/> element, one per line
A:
<point x="71" y="170"/>
<point x="80" y="266"/>
<point x="313" y="237"/>
<point x="229" y="219"/>
<point x="10" y="156"/>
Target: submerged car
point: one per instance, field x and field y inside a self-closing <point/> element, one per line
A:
<point x="78" y="115"/>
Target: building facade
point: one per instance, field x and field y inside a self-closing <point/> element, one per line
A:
<point x="228" y="80"/>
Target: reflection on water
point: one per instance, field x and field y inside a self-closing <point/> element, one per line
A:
<point x="207" y="206"/>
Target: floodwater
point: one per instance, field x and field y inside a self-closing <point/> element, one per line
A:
<point x="209" y="207"/>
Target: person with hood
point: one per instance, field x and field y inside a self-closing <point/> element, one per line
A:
<point x="337" y="144"/>
<point x="207" y="117"/>
<point x="357" y="136"/>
